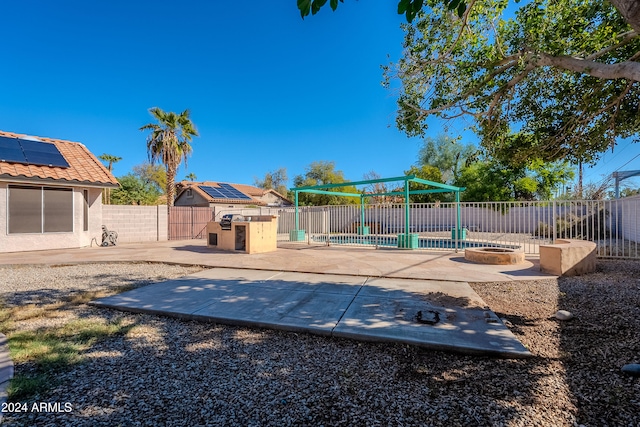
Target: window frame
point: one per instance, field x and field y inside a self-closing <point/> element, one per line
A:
<point x="45" y="211"/>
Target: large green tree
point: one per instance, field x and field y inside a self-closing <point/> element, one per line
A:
<point x="430" y="173"/>
<point x="558" y="80"/>
<point x="489" y="180"/>
<point x="169" y="143"/>
<point x="323" y="172"/>
<point x="150" y="174"/>
<point x="274" y="180"/>
<point x="134" y="190"/>
<point x="447" y="155"/>
<point x="554" y="79"/>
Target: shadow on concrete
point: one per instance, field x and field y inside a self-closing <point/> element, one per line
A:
<point x="347" y="306"/>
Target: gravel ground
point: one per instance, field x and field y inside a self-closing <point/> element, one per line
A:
<point x="183" y="373"/>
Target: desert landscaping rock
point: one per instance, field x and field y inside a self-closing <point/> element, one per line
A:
<point x="165" y="371"/>
<point x="564" y="315"/>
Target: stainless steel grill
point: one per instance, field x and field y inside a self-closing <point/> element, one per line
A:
<point x="225" y="222"/>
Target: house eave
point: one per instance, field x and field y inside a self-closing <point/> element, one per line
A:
<point x="52" y="181"/>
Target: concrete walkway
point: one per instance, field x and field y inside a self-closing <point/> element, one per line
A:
<point x="348" y="292"/>
<point x="297" y="257"/>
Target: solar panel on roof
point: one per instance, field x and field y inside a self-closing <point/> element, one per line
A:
<point x="10" y="150"/>
<point x="225" y="191"/>
<point x="233" y="192"/>
<point x="213" y="192"/>
<point x="28" y="152"/>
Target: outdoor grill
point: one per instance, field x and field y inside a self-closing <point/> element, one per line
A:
<point x="250" y="234"/>
<point x="225" y="222"/>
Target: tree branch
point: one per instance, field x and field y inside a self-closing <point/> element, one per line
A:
<point x="626" y="39"/>
<point x="623" y="70"/>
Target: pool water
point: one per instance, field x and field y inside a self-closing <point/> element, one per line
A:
<point x="392" y="241"/>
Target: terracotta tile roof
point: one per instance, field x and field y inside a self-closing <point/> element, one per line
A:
<point x="84" y="167"/>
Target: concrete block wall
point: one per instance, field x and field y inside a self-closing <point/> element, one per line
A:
<point x="137" y="223"/>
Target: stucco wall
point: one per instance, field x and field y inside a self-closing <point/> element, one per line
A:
<point x="136" y="223"/>
<point x="273" y="200"/>
<point x="195" y="200"/>
<point x="41" y="241"/>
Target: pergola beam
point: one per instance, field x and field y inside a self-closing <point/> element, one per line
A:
<point x="406" y="193"/>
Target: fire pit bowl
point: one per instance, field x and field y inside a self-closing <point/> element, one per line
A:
<point x="496" y="256"/>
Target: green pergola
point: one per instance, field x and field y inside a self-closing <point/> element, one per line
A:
<point x="405" y="240"/>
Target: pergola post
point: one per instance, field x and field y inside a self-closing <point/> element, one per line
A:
<point x="458" y="234"/>
<point x="363" y="230"/>
<point x="407" y="239"/>
<point x="296" y="235"/>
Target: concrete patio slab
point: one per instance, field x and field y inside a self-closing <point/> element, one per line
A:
<point x="320" y="283"/>
<point x="287" y="309"/>
<point x="461" y="329"/>
<point x="345" y="306"/>
<point x="295" y="257"/>
<point x="448" y="293"/>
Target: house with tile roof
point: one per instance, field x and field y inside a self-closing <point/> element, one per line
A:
<point x="226" y="195"/>
<point x="50" y="193"/>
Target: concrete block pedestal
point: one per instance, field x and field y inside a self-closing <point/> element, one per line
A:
<point x="296" y="235"/>
<point x="408" y="241"/>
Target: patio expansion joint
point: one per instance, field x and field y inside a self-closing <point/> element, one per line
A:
<point x="350" y="304"/>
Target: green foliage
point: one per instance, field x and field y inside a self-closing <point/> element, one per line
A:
<point x="447" y="155"/>
<point x="274" y="180"/>
<point x="110" y="159"/>
<point x="168" y="143"/>
<point x="558" y="80"/>
<point x="629" y="192"/>
<point x="134" y="191"/>
<point x="409" y="8"/>
<point x="323" y="172"/>
<point x="430" y="173"/>
<point x="490" y="181"/>
<point x="152" y="175"/>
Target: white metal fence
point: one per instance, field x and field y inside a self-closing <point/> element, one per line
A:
<point x="613" y="224"/>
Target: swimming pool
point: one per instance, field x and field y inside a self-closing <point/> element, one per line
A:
<point x="392" y="241"/>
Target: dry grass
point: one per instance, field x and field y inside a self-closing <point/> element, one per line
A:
<point x="149" y="370"/>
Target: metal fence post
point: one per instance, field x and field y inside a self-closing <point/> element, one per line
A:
<point x="553" y="223"/>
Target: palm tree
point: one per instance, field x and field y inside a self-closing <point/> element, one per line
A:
<point x="110" y="159"/>
<point x="191" y="177"/>
<point x="168" y="143"/>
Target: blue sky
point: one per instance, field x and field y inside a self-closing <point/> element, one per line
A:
<point x="266" y="89"/>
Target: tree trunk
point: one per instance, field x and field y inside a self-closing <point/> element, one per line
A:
<point x="579" y="190"/>
<point x="630" y="11"/>
<point x="171" y="188"/>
